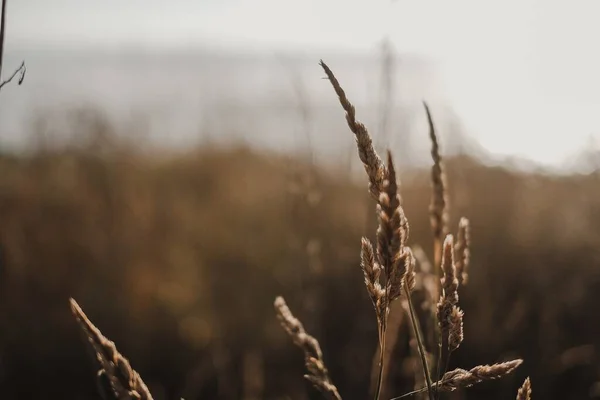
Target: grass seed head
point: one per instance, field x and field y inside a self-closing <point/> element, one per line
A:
<point x="116" y="376"/>
<point x="462" y="254"/>
<point x="524" y="392"/>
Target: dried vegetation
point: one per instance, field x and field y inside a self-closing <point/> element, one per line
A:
<point x="389" y="272"/>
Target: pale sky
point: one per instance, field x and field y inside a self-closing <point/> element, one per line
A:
<point x="524" y="75"/>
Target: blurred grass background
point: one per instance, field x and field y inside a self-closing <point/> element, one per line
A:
<point x="178" y="256"/>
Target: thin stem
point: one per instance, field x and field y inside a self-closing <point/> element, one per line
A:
<point x="419" y="336"/>
<point x="409" y="394"/>
<point x="439" y="365"/>
<point x="382" y="333"/>
<point x="437" y="260"/>
<point x="21" y="69"/>
<point x="380" y="373"/>
<point x="417" y="391"/>
<point x="441" y="375"/>
<point x="2" y="30"/>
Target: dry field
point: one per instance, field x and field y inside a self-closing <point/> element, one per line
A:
<point x="462" y="281"/>
<point x="179" y="258"/>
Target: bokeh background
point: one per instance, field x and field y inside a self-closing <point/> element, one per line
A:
<point x="174" y="166"/>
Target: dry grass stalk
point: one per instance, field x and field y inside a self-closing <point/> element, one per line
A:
<point x="460" y="378"/>
<point x="453" y="267"/>
<point x="397" y="322"/>
<point x="117" y="380"/>
<point x="449" y="281"/>
<point x="372" y="272"/>
<point x="369" y="157"/>
<point x="425" y="300"/>
<point x="389" y="269"/>
<point x="392" y="234"/>
<point x="524" y="392"/>
<point x="438" y="216"/>
<point x="392" y="255"/>
<point x="439" y="201"/>
<point x="393" y="229"/>
<point x="313" y="357"/>
<point x="420" y="346"/>
<point x="462" y="254"/>
<point x="450" y="317"/>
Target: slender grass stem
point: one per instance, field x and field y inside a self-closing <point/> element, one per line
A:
<point x="419" y="336"/>
<point x="380" y="372"/>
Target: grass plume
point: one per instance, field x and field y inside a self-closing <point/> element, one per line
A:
<point x="524" y="392"/>
<point x="438" y="209"/>
<point x="392" y="255"/>
<point x="460" y="378"/>
<point x="117" y="380"/>
<point x="313" y="356"/>
<point x="449" y="316"/>
<point x="372" y="162"/>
